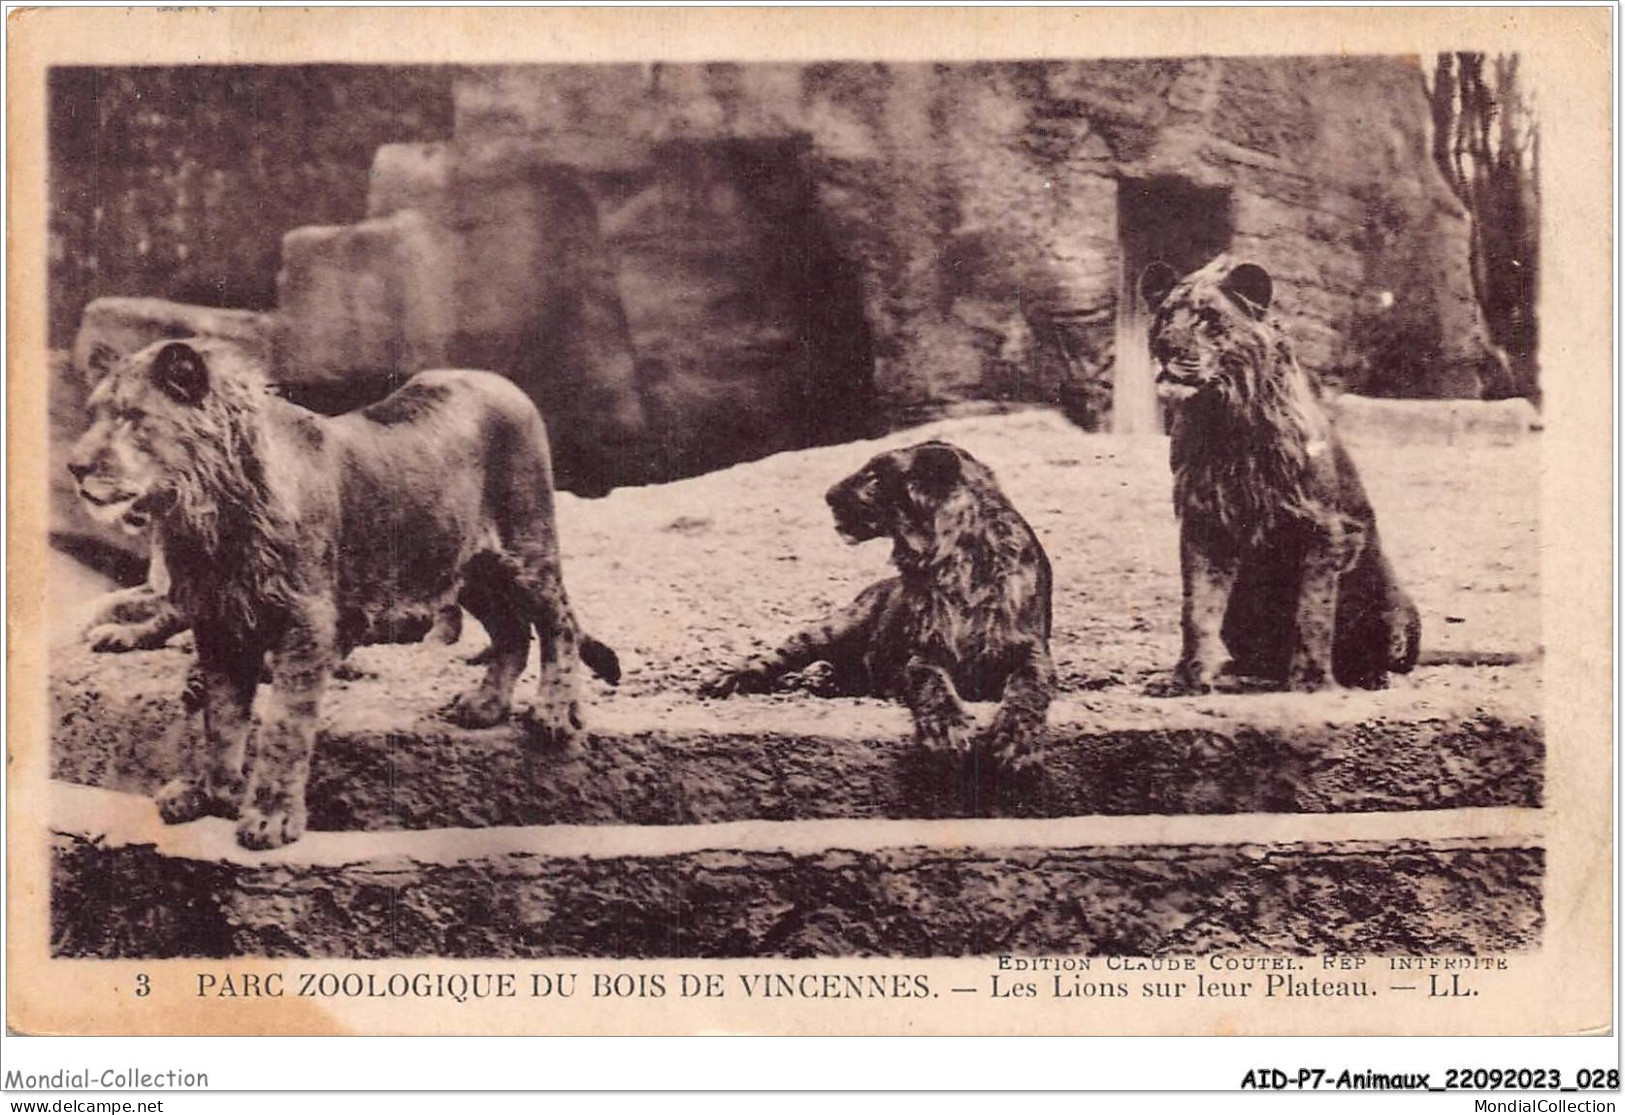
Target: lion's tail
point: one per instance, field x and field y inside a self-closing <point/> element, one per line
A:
<point x="600" y="659"/>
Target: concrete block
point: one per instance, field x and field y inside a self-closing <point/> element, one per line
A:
<point x="370" y="299"/>
<point x="1436" y="421"/>
<point x="411" y="176"/>
<point x="128" y="324"/>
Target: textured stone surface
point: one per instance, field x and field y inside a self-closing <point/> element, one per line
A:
<point x="410" y="176"/>
<point x="390" y="759"/>
<point x="526" y="288"/>
<point x="128" y="324"/>
<point x="691" y="265"/>
<point x="371" y="300"/>
<point x="179" y="181"/>
<point x="674" y="317"/>
<point x="978" y="203"/>
<point x="1462" y="897"/>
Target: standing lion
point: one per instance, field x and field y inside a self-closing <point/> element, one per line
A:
<point x="1279" y="550"/>
<point x="290" y="537"/>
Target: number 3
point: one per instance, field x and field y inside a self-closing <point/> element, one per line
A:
<point x="143" y="985"/>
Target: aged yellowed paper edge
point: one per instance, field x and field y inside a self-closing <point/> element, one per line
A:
<point x="1565" y="988"/>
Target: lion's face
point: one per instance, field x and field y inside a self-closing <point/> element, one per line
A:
<point x="1188" y="343"/>
<point x="127" y="461"/>
<point x="898" y="494"/>
<point x="1204" y="336"/>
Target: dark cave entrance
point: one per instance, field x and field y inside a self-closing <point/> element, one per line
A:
<point x="701" y="282"/>
<point x="747" y="318"/>
<point x="1182" y="224"/>
<point x="826" y="390"/>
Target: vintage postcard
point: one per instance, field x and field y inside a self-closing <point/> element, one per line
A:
<point x="809" y="521"/>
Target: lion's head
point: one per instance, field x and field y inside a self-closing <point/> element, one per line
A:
<point x="166" y="428"/>
<point x="921" y="497"/>
<point x="1211" y="331"/>
<point x="1247" y="425"/>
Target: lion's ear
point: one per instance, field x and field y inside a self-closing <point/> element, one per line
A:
<point x="1250" y="287"/>
<point x="1156" y="281"/>
<point x="935" y="469"/>
<point x="102" y="359"/>
<point x="179" y="371"/>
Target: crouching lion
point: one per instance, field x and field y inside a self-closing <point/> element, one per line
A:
<point x="1279" y="551"/>
<point x="144" y="618"/>
<point x="290" y="537"/>
<point x="967" y="616"/>
<point x="138" y="618"/>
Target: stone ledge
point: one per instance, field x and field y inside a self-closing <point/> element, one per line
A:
<point x="127" y="325"/>
<point x="367" y="301"/>
<point x="1435" y="421"/>
<point x="390" y="760"/>
<point x="957" y="891"/>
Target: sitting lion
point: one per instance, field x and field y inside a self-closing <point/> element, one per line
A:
<point x="968" y="614"/>
<point x="289" y="537"/>
<point x="1279" y="550"/>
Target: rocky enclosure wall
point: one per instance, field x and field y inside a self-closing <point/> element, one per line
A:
<point x="978" y="200"/>
<point x="179" y="182"/>
<point x="690" y="265"/>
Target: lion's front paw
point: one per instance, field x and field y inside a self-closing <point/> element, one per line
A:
<point x="1015" y="739"/>
<point x="557" y="729"/>
<point x="478" y="708"/>
<point x="1307" y="676"/>
<point x="260" y="829"/>
<point x="1189" y="678"/>
<point x="1308" y="672"/>
<point x="819" y="679"/>
<point x="117" y="638"/>
<point x="747" y="679"/>
<point x="182" y="800"/>
<point x="946" y="730"/>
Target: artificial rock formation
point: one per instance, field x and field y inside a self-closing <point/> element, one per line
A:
<point x="691" y="265"/>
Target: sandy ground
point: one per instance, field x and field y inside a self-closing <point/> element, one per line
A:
<point x="689" y="577"/>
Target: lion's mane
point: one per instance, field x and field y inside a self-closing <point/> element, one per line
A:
<point x="1242" y="455"/>
<point x="230" y="543"/>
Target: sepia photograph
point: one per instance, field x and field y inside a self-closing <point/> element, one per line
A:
<point x="1024" y="511"/>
